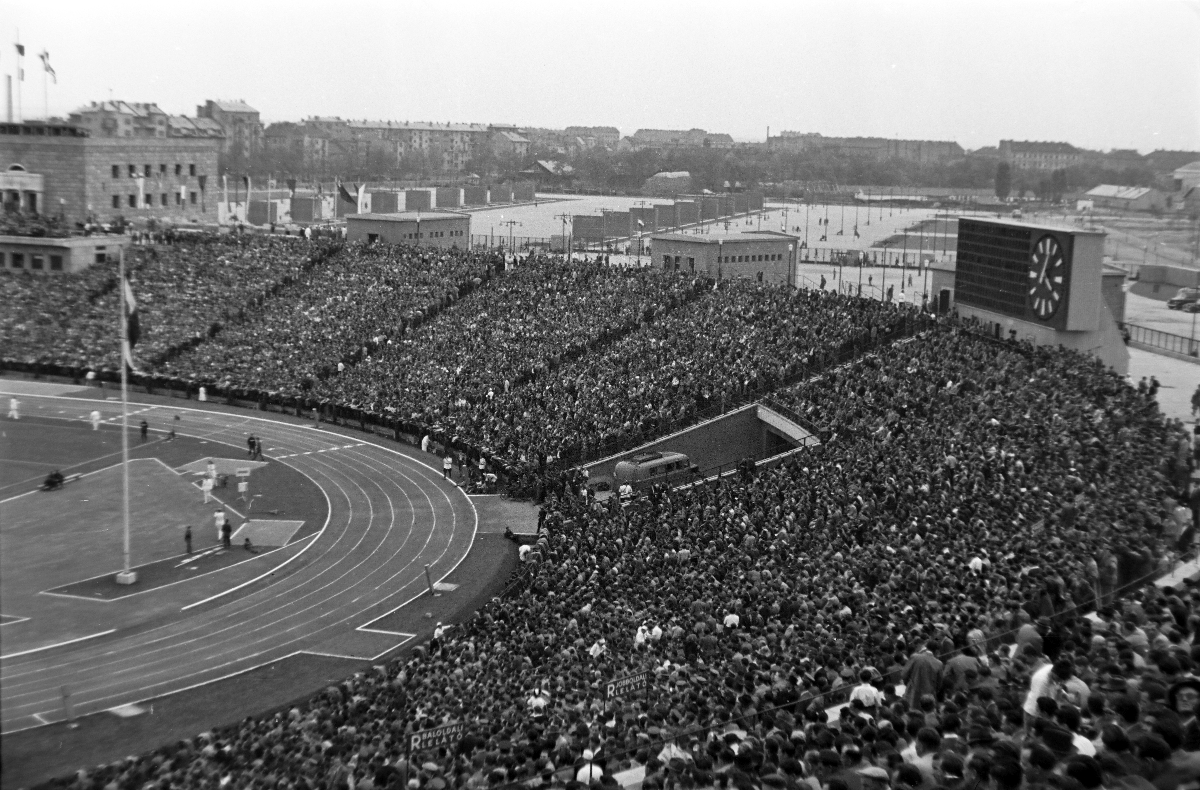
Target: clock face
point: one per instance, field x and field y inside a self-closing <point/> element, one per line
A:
<point x="1047" y="278"/>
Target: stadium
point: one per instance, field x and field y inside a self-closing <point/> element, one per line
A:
<point x="974" y="572"/>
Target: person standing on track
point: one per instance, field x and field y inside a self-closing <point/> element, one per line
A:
<point x="187" y="538"/>
<point x="447" y="465"/>
<point x="95" y="420"/>
<point x="14" y="409"/>
<point x="145" y="429"/>
<point x="219" y="521"/>
<point x="227" y="534"/>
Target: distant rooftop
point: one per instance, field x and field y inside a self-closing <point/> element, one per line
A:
<point x="137" y="109"/>
<point x="236" y="105"/>
<point x="426" y="126"/>
<point x="1118" y="192"/>
<point x="183" y="126"/>
<point x="735" y="237"/>
<point x="1038" y="147"/>
<point x="411" y="216"/>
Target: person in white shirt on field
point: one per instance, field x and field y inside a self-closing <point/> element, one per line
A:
<point x="14" y="409"/>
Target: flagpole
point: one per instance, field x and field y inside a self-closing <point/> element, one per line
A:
<point x="20" y="78"/>
<point x="127" y="576"/>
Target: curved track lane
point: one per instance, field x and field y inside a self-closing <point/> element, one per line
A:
<point x="389" y="516"/>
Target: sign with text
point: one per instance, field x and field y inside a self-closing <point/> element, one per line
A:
<point x="445" y="735"/>
<point x="619" y="687"/>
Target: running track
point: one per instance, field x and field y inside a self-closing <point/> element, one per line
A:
<point x="389" y="516"/>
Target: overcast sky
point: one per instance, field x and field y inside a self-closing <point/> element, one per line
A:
<point x="1096" y="73"/>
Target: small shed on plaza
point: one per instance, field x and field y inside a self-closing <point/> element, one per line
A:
<point x="765" y="256"/>
<point x="427" y="228"/>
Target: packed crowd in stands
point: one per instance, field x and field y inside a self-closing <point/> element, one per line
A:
<point x="182" y="291"/>
<point x="737" y="339"/>
<point x="333" y="316"/>
<point x="965" y="557"/>
<point x="530" y="321"/>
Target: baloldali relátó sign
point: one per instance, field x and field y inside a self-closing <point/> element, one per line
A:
<point x="443" y="735"/>
<point x="619" y="687"/>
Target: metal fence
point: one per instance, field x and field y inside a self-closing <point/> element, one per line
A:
<point x="504" y="242"/>
<point x="1154" y="338"/>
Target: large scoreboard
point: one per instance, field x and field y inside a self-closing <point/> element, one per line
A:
<point x="1041" y="274"/>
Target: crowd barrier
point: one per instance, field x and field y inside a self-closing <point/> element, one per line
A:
<point x="1155" y="338"/>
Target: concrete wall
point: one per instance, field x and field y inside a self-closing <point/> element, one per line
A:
<point x="616" y="224"/>
<point x="1105" y="342"/>
<point x="417" y="200"/>
<point x="664" y="216"/>
<point x="687" y="212"/>
<point x="449" y="197"/>
<point x="1113" y="291"/>
<point x="475" y="196"/>
<point x="434" y="231"/>
<point x="741" y="203"/>
<point x="1175" y="276"/>
<point x="646" y="215"/>
<point x="306" y="209"/>
<point x="49" y="256"/>
<point x="724" y="440"/>
<point x="523" y="192"/>
<point x="385" y="202"/>
<point x="500" y="194"/>
<point x="587" y="228"/>
<point x="257" y="213"/>
<point x="79" y="177"/>
<point x="710" y="208"/>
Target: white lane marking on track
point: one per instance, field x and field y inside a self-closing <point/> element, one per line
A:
<point x="44" y="648"/>
<point x="410" y="462"/>
<point x="428" y="476"/>
<point x="249" y="621"/>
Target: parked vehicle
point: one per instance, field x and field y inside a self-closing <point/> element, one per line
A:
<point x="1185" y="296"/>
<point x="646" y="469"/>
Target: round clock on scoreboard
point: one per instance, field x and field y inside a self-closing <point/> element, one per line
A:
<point x="1047" y="284"/>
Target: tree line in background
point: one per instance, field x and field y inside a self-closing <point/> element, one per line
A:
<point x="710" y="168"/>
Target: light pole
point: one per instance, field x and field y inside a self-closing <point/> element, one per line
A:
<point x="720" y="260"/>
<point x="510" y="223"/>
<point x="564" y="217"/>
